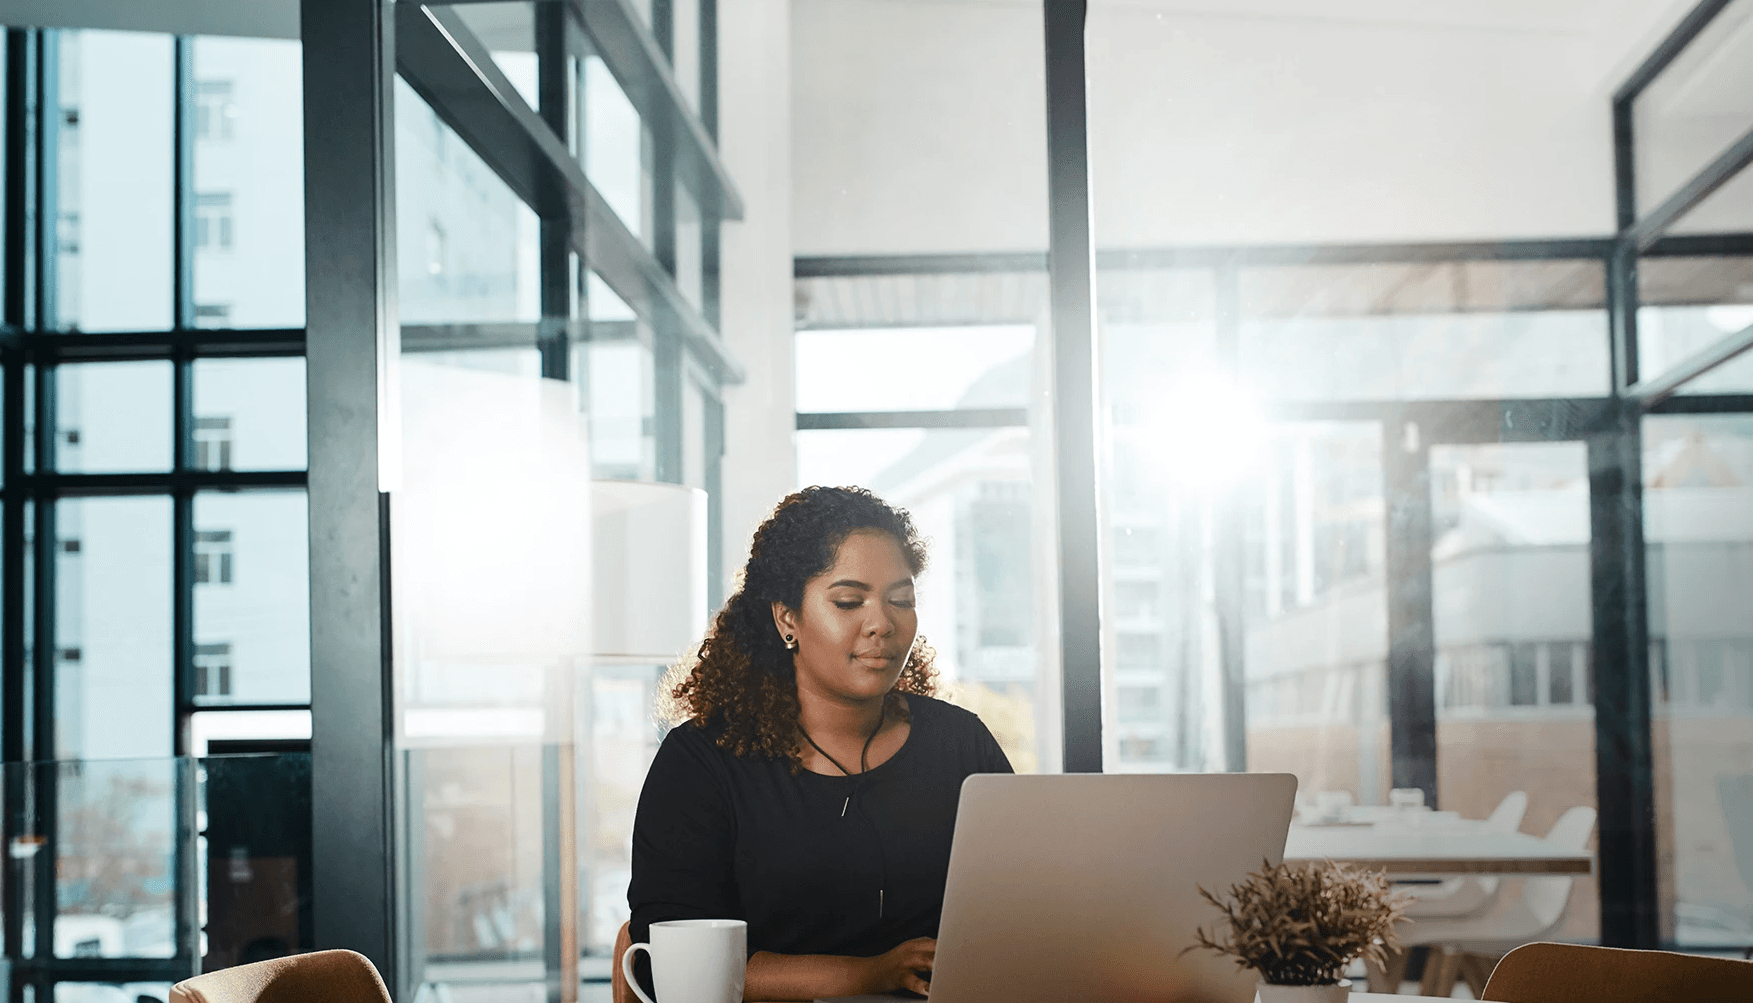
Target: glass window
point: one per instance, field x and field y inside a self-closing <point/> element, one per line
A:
<point x="116" y="868"/>
<point x="252" y="597"/>
<point x="622" y="407"/>
<point x="881" y="370"/>
<point x="249" y="183"/>
<point x="1698" y="501"/>
<point x="616" y="150"/>
<point x="249" y="414"/>
<point x="1510" y="572"/>
<point x="686" y="57"/>
<point x="508" y="30"/>
<point x="1690" y="304"/>
<point x="113" y="628"/>
<point x="113" y="237"/>
<point x="982" y="606"/>
<point x="1431" y="330"/>
<point x="113" y="416"/>
<point x="469" y="245"/>
<point x="1691" y="113"/>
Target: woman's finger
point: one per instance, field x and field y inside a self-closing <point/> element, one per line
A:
<point x="916" y="984"/>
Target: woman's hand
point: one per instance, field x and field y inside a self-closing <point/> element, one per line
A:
<point x="901" y="966"/>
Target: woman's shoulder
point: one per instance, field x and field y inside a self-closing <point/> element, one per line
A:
<point x="938" y="713"/>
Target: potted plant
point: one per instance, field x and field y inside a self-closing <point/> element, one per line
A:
<point x="1300" y="924"/>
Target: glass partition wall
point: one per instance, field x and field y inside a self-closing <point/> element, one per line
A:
<point x="1375" y="505"/>
<point x="158" y="702"/>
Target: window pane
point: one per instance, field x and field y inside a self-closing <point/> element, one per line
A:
<point x="971" y="493"/>
<point x="882" y="370"/>
<point x="117" y="858"/>
<point x="249" y="415"/>
<point x="621" y="400"/>
<point x="114" y="238"/>
<point x="252" y="598"/>
<point x="113" y="416"/>
<point x="1510" y="570"/>
<point x="616" y="151"/>
<point x="1442" y="330"/>
<point x="1689" y="304"/>
<point x="249" y="183"/>
<point x="111" y="992"/>
<point x="467" y="245"/>
<point x="112" y="628"/>
<point x="1696" y="108"/>
<point x="508" y="30"/>
<point x="1697" y="505"/>
<point x="1316" y="651"/>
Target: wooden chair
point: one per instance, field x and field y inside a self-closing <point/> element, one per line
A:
<point x="1574" y="973"/>
<point x="329" y="976"/>
<point x="618" y="988"/>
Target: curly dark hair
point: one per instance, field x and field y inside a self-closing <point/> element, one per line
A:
<point x="742" y="679"/>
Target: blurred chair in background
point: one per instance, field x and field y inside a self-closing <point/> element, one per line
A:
<point x="1467" y="949"/>
<point x="1459" y="898"/>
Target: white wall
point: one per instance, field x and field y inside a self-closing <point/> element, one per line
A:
<point x="919" y="123"/>
<point x="755" y="82"/>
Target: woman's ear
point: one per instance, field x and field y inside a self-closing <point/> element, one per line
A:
<point x="785" y="620"/>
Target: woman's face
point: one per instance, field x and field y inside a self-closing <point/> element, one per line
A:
<point x="856" y="625"/>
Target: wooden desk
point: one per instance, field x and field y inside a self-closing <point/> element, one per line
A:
<point x="1449" y="849"/>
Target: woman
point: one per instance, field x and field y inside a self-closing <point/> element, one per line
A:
<point x="812" y="790"/>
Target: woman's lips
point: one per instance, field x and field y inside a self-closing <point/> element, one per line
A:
<point x="877" y="660"/>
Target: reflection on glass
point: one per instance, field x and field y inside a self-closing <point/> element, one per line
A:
<point x="467" y="245"/>
<point x="1514" y="692"/>
<point x="113" y="237"/>
<point x="1698" y="528"/>
<point x="623" y="738"/>
<point x="1690" y="304"/>
<point x="115" y="842"/>
<point x="1433" y="330"/>
<point x="249" y="183"/>
<point x="112" y="627"/>
<point x="1317" y="644"/>
<point x="971" y="493"/>
<point x="478" y="812"/>
<point x="113" y="416"/>
<point x="249" y="415"/>
<point x="881" y="370"/>
<point x="252" y="598"/>
<point x="255" y="842"/>
<point x="1696" y="107"/>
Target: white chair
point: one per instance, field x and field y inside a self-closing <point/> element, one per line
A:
<point x="1459" y="898"/>
<point x="1469" y="948"/>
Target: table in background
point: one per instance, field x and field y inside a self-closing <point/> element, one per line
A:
<point x="1453" y="848"/>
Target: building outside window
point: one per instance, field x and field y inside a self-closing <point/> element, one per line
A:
<point x="214" y="110"/>
<point x="213" y="557"/>
<point x="213" y="443"/>
<point x="213" y="221"/>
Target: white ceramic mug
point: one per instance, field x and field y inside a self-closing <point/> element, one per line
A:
<point x="694" y="961"/>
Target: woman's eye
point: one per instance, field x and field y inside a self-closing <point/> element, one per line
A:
<point x="902" y="603"/>
<point x="848" y="603"/>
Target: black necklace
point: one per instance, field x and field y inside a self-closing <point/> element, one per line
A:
<point x="863" y="755"/>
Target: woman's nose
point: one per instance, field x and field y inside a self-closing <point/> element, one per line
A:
<point x="881" y="624"/>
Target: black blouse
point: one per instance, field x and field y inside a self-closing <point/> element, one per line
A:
<point x="815" y="864"/>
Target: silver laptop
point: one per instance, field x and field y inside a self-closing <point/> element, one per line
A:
<point x="1086" y="886"/>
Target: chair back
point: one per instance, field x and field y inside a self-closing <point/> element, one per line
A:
<point x="619" y="991"/>
<point x="330" y="976"/>
<point x="1546" y="897"/>
<point x="1507" y="816"/>
<point x="1576" y="973"/>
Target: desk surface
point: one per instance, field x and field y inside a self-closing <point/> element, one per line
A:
<point x="1445" y="849"/>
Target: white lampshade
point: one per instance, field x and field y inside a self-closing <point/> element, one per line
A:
<point x="649" y="552"/>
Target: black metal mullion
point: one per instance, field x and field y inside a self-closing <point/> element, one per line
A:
<point x="16" y="310"/>
<point x="44" y="649"/>
<point x="1411" y="600"/>
<point x="1624" y="755"/>
<point x="554" y="338"/>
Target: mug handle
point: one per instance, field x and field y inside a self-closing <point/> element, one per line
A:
<point x="627" y="970"/>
